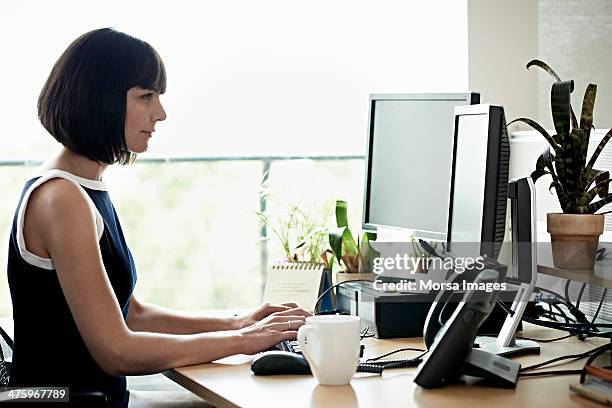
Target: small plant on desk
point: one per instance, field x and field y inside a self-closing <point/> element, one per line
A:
<point x="356" y="256"/>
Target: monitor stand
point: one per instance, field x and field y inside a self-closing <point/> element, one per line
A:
<point x="506" y="344"/>
<point x="521" y="192"/>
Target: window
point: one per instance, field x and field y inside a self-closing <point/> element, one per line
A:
<point x="245" y="79"/>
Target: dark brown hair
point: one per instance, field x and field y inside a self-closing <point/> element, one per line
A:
<point x="83" y="102"/>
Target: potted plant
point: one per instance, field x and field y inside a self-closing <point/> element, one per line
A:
<point x="355" y="255"/>
<point x="300" y="231"/>
<point x="581" y="189"/>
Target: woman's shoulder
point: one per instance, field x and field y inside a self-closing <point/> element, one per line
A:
<point x="57" y="197"/>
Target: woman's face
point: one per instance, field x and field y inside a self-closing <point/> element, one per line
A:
<point x="142" y="112"/>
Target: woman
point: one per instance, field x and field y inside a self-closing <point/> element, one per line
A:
<point x="71" y="274"/>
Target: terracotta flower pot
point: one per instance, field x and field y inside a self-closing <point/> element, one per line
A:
<point x="574" y="239"/>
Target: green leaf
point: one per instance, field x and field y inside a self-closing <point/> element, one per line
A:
<point x="560" y="105"/>
<point x="598" y="150"/>
<point x="311" y="235"/>
<point x="601" y="188"/>
<point x="537" y="173"/>
<point x="367" y="254"/>
<point x="349" y="247"/>
<point x="544" y="165"/>
<point x="341" y="213"/>
<point x="335" y="241"/>
<point x="592" y="208"/>
<point x="597" y="176"/>
<point x="371" y="236"/>
<point x="586" y="118"/>
<point x="545" y="67"/>
<point x="540" y="129"/>
<point x="580" y="146"/>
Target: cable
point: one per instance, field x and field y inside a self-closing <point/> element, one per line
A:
<point x="591" y="359"/>
<point x="580" y="295"/>
<point x="398" y="351"/>
<point x="577" y="328"/>
<point x="429" y="249"/>
<point x="580" y="317"/>
<point x="605" y="291"/>
<point x="566" y="326"/>
<point x="504" y="306"/>
<point x="581" y="329"/>
<point x="326" y="291"/>
<point x="572" y="309"/>
<point x="555" y="372"/>
<point x="562" y="314"/>
<point x="561" y="358"/>
<point x="546" y="340"/>
<point x="592" y="354"/>
<point x="365" y="333"/>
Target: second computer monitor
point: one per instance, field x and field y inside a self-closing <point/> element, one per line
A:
<point x="408" y="161"/>
<point x="479" y="181"/>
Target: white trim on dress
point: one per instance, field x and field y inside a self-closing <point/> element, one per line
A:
<point x="46" y="263"/>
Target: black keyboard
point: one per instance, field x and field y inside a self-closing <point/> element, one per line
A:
<point x="291" y="346"/>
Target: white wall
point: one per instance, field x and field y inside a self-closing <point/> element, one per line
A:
<point x="502" y="38"/>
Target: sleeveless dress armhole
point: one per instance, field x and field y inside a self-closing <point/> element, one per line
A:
<point x="36" y="260"/>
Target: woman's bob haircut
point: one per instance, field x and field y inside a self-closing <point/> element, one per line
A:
<point x="83" y="102"/>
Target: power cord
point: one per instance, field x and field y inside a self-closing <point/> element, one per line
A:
<point x="365" y="333"/>
<point x="326" y="291"/>
<point x="580" y="317"/>
<point x="546" y="340"/>
<point x="578" y="356"/>
<point x="605" y="292"/>
<point x="593" y="353"/>
<point x="398" y="351"/>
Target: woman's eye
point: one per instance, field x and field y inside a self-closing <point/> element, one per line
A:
<point x="147" y="97"/>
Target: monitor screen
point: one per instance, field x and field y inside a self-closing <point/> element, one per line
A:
<point x="470" y="170"/>
<point x="408" y="169"/>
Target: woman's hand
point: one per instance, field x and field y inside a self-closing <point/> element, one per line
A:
<point x="267" y="309"/>
<point x="271" y="330"/>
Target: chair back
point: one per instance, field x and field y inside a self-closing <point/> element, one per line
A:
<point x="6" y="354"/>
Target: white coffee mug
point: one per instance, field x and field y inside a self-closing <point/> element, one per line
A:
<point x="330" y="344"/>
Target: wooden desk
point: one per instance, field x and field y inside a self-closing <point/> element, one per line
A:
<point x="230" y="383"/>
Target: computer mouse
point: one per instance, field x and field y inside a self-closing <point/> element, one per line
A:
<point x="279" y="362"/>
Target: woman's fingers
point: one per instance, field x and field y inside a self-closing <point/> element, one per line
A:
<point x="294" y="312"/>
<point x="289" y="325"/>
<point x="269" y="309"/>
<point x="289" y="335"/>
<point x="284" y="319"/>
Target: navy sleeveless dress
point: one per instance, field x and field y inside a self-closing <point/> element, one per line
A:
<point x="49" y="350"/>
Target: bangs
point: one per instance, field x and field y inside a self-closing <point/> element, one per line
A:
<point x="150" y="72"/>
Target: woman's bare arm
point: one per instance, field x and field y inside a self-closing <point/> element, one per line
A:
<point x="152" y="318"/>
<point x="65" y="222"/>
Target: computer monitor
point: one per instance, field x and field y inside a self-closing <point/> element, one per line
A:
<point x="477" y="215"/>
<point x="408" y="162"/>
<point x="479" y="181"/>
